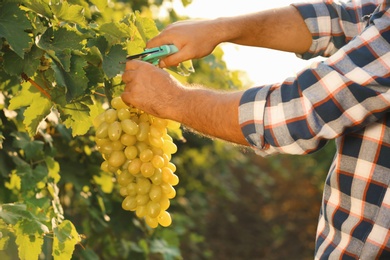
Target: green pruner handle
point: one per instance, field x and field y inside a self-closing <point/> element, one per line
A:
<point x="159" y="52"/>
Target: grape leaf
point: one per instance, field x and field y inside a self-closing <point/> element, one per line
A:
<point x="59" y="44"/>
<point x="30" y="177"/>
<point x="29" y="244"/>
<point x="39" y="6"/>
<point x="4" y="235"/>
<point x="100" y="4"/>
<point x="39" y="109"/>
<point x="113" y="61"/>
<point x="146" y="27"/>
<point x="54" y="169"/>
<point x="31" y="148"/>
<point x="75" y="81"/>
<point x="99" y="42"/>
<point x="23" y="98"/>
<point x="12" y="213"/>
<point x="77" y="118"/>
<point x="69" y="13"/>
<point x="65" y="239"/>
<point x="136" y="45"/>
<point x="115" y="32"/>
<point x="13" y="23"/>
<point x="168" y="252"/>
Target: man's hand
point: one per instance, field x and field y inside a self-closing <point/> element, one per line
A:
<point x="151" y="89"/>
<point x="192" y="38"/>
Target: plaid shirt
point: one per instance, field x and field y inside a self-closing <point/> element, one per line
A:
<point x="346" y="98"/>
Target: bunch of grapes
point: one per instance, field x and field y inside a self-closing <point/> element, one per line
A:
<point x="137" y="148"/>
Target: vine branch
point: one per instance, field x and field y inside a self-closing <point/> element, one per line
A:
<point x="32" y="82"/>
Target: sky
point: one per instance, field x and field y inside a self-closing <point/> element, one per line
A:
<point x="263" y="66"/>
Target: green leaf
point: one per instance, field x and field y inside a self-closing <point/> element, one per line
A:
<point x="39" y="6"/>
<point x="100" y="4"/>
<point x="23" y="98"/>
<point x="12" y="213"/>
<point x="31" y="148"/>
<point x="54" y="169"/>
<point x="115" y="32"/>
<point x="146" y="27"/>
<point x="59" y="44"/>
<point x="4" y="235"/>
<point x="77" y="118"/>
<point x="13" y="23"/>
<point x="30" y="177"/>
<point x="113" y="61"/>
<point x="99" y="42"/>
<point x="29" y="244"/>
<point x="168" y="252"/>
<point x="75" y="81"/>
<point x="69" y="13"/>
<point x="39" y="109"/>
<point x="65" y="239"/>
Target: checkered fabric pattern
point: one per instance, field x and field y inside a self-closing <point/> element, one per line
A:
<point x="345" y="98"/>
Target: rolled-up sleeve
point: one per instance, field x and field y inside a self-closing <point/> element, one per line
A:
<point x="334" y="23"/>
<point x="338" y="96"/>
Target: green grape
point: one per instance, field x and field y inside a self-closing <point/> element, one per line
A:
<point x="151" y="222"/>
<point x="123" y="114"/>
<point x="131" y="152"/>
<point x="164" y="219"/>
<point x="117" y="158"/>
<point x="131" y="189"/>
<point x="129" y="203"/>
<point x="124" y="178"/>
<point x="102" y="130"/>
<point x="156" y="141"/>
<point x="110" y="115"/>
<point x="153" y="208"/>
<point x="146" y="155"/>
<point x="157" y="177"/>
<point x="155" y="193"/>
<point x="128" y="140"/>
<point x="141" y="211"/>
<point x="129" y="126"/>
<point x="135" y="166"/>
<point x="164" y="202"/>
<point x="143" y="132"/>
<point x="169" y="147"/>
<point x="114" y="131"/>
<point x="158" y="161"/>
<point x="123" y="191"/>
<point x="147" y="169"/>
<point x="166" y="174"/>
<point x="142" y="199"/>
<point x="117" y="103"/>
<point x="143" y="185"/>
<point x="137" y="148"/>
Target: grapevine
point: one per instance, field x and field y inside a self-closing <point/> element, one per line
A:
<point x="137" y="148"/>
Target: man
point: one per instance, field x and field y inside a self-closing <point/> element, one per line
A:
<point x="346" y="98"/>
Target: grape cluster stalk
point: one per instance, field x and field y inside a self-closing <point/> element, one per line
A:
<point x="137" y="148"/>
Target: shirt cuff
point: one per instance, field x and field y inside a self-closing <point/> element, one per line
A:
<point x="251" y="117"/>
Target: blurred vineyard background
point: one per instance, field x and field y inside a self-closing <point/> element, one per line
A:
<point x="230" y="204"/>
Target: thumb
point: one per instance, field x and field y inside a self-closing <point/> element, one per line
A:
<point x="126" y="97"/>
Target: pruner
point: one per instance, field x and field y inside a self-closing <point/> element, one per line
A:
<point x="153" y="55"/>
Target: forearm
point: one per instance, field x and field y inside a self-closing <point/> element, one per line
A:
<point x="281" y="29"/>
<point x="210" y="112"/>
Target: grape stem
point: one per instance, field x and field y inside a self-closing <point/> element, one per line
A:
<point x="32" y="82"/>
